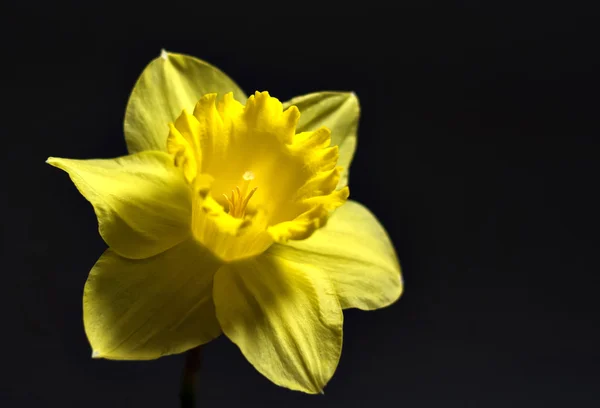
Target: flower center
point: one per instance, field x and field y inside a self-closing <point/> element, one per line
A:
<point x="289" y="192"/>
<point x="238" y="200"/>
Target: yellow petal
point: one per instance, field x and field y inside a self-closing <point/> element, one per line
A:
<point x="356" y="253"/>
<point x="142" y="201"/>
<point x="338" y="111"/>
<point x="169" y="84"/>
<point x="284" y="317"/>
<point x="145" y="309"/>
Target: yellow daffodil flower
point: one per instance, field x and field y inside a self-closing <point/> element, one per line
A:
<point x="230" y="215"/>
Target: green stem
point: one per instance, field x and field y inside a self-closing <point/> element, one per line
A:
<point x="193" y="361"/>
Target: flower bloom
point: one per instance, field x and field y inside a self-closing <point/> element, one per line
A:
<point x="230" y="215"/>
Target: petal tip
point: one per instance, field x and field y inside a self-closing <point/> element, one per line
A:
<point x="55" y="162"/>
<point x="96" y="354"/>
<point x="164" y="54"/>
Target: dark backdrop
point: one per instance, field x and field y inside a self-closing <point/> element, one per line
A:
<point x="477" y="150"/>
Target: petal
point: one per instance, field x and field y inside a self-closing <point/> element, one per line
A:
<point x="169" y="84"/>
<point x="285" y="318"/>
<point x="338" y="111"/>
<point x="145" y="309"/>
<point x="356" y="253"/>
<point x="142" y="201"/>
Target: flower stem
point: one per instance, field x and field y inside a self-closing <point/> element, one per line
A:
<point x="193" y="361"/>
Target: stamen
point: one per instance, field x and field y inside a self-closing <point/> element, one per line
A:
<point x="248" y="197"/>
<point x="229" y="202"/>
<point x="238" y="201"/>
<point x="233" y="200"/>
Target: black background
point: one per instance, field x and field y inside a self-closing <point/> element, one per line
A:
<point x="477" y="150"/>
